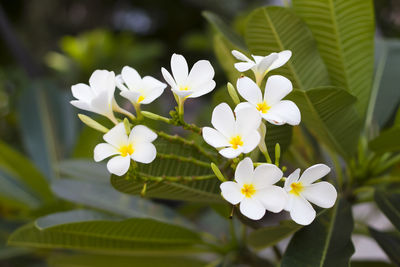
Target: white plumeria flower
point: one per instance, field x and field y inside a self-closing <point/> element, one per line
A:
<point x="261" y="65"/>
<point x="271" y="107"/>
<point x="137" y="146"/>
<point x="136" y="89"/>
<point x="302" y="190"/>
<point x="199" y="81"/>
<point x="98" y="96"/>
<point x="234" y="136"/>
<point x="255" y="189"/>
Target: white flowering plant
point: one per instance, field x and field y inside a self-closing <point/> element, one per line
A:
<point x="290" y="145"/>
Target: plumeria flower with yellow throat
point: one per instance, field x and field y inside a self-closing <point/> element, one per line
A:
<point x="233" y="136"/>
<point x="136" y="89"/>
<point x="199" y="81"/>
<point x="303" y="190"/>
<point x="254" y="189"/>
<point x="137" y="146"/>
<point x="270" y="106"/>
<point x="261" y="65"/>
<point x="98" y="96"/>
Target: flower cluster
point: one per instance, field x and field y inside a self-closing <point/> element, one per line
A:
<point x="234" y="132"/>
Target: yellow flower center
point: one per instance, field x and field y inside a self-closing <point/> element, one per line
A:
<point x="184" y="88"/>
<point x="126" y="150"/>
<point x="296" y="188"/>
<point x="248" y="190"/>
<point x="236" y="141"/>
<point x="263" y="107"/>
<point x="140" y="99"/>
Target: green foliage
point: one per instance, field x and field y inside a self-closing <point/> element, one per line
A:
<point x="389" y="204"/>
<point x="345" y="42"/>
<point x="125" y="237"/>
<point x="389" y="242"/>
<point x="325" y="242"/>
<point x="273" y="29"/>
<point x="387" y="141"/>
<point x="328" y="112"/>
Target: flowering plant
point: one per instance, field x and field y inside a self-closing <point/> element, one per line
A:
<point x="288" y="147"/>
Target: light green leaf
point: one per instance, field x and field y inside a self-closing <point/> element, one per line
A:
<point x="324" y="243"/>
<point x="197" y="190"/>
<point x="269" y="236"/>
<point x="83" y="169"/>
<point x="344" y="31"/>
<point x="328" y="112"/>
<point x="122" y="237"/>
<point x="389" y="242"/>
<point x="95" y="260"/>
<point x="387" y="141"/>
<point x="222" y="50"/>
<point x="273" y="29"/>
<point x="11" y="161"/>
<point x="389" y="204"/>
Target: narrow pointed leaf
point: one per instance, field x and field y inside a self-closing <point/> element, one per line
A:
<point x="387" y="141"/>
<point x="389" y="242"/>
<point x="389" y="204"/>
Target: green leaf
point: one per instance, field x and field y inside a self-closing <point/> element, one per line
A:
<point x="90" y="260"/>
<point x="390" y="243"/>
<point x="269" y="236"/>
<point x="122" y="237"/>
<point x="11" y="161"/>
<point x="103" y="197"/>
<point x="344" y="31"/>
<point x="370" y="264"/>
<point x="326" y="242"/>
<point x="222" y="50"/>
<point x="83" y="169"/>
<point x="273" y="29"/>
<point x="196" y="190"/>
<point x="389" y="204"/>
<point x="387" y="141"/>
<point x="225" y="30"/>
<point x="328" y="112"/>
<point x="281" y="134"/>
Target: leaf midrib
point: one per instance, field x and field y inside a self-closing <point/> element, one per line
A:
<point x="329" y="235"/>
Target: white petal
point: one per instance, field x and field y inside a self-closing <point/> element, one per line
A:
<point x="257" y="59"/>
<point x="202" y="72"/>
<point x="120" y="83"/>
<point x="82" y="105"/>
<point x="251" y="141"/>
<point x="249" y="90"/>
<point x="244" y="172"/>
<point x="141" y="133"/>
<point x="119" y="165"/>
<point x="322" y="194"/>
<point x="103" y="150"/>
<point x="276" y="88"/>
<point x="203" y="89"/>
<point x="252" y="208"/>
<point x="102" y="80"/>
<point x="283" y="57"/>
<point x="214" y="138"/>
<point x="243" y="105"/>
<point x="266" y="62"/>
<point x="132" y="96"/>
<point x="293" y="177"/>
<point x="223" y="120"/>
<point x="231" y="153"/>
<point x="301" y="211"/>
<point x="266" y="175"/>
<point x="117" y="135"/>
<point x="240" y="56"/>
<point x="153" y="95"/>
<point x="247" y="120"/>
<point x="152" y="89"/>
<point x="314" y="173"/>
<point x="102" y="104"/>
<point x="273" y="198"/>
<point x="182" y="93"/>
<point x="131" y="78"/>
<point x="82" y="92"/>
<point x="231" y="192"/>
<point x="168" y="78"/>
<point x="144" y="152"/>
<point x="244" y="66"/>
<point x="179" y="69"/>
<point x="284" y="112"/>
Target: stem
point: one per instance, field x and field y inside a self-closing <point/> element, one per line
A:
<point x="181" y="109"/>
<point x="267" y="157"/>
<point x="138" y="111"/>
<point x="156" y="117"/>
<point x="176" y="178"/>
<point x="277" y="252"/>
<point x="233" y="232"/>
<point x="184" y="159"/>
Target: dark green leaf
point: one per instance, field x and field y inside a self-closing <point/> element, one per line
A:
<point x="222" y="50"/>
<point x="346" y="42"/>
<point x="387" y="141"/>
<point x="269" y="236"/>
<point x="390" y="243"/>
<point x="273" y="29"/>
<point x="370" y="264"/>
<point x="82" y="169"/>
<point x="329" y="114"/>
<point x="281" y="134"/>
<point x="389" y="204"/>
<point x="324" y="243"/>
